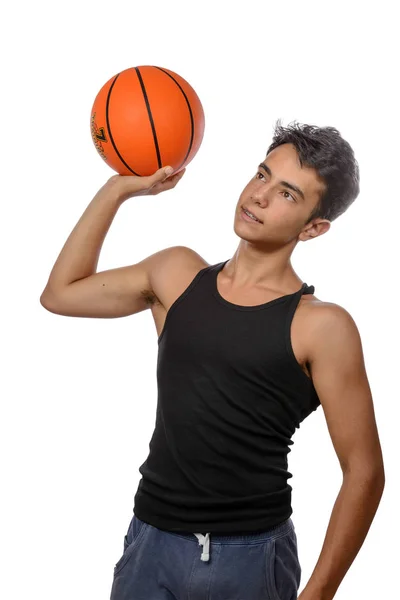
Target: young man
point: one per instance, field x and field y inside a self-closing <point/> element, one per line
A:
<point x="246" y="353"/>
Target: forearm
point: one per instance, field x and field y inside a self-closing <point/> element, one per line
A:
<point x="351" y="517"/>
<point x="80" y="253"/>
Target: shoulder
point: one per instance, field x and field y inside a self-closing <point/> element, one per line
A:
<point x="182" y="257"/>
<point x="324" y="313"/>
<point x="173" y="271"/>
<point x="328" y="325"/>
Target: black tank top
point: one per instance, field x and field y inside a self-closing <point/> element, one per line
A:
<point x="230" y="396"/>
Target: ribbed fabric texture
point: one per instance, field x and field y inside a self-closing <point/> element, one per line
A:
<point x="230" y="397"/>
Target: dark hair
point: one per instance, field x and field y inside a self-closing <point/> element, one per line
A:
<point x="323" y="149"/>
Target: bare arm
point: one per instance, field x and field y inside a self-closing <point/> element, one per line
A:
<point x="116" y="292"/>
<point x="340" y="379"/>
<point x="74" y="288"/>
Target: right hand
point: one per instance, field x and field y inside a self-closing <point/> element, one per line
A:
<point x="132" y="185"/>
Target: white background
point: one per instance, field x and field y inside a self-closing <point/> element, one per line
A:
<point x="79" y="395"/>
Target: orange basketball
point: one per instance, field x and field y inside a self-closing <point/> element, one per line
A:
<point x="145" y="118"/>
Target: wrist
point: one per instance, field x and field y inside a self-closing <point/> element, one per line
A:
<point x="315" y="593"/>
<point x="122" y="187"/>
<point x="113" y="188"/>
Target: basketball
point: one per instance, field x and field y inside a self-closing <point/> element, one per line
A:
<point x="145" y="118"/>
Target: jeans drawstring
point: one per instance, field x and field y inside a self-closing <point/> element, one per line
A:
<point x="204" y="540"/>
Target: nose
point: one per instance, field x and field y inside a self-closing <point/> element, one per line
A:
<point x="260" y="198"/>
<point x="260" y="194"/>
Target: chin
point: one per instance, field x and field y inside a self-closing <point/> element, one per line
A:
<point x="244" y="235"/>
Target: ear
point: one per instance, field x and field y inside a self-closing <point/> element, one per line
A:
<point x="314" y="229"/>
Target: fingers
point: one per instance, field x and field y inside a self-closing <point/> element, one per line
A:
<point x="160" y="175"/>
<point x="168" y="183"/>
<point x="175" y="176"/>
<point x="172" y="178"/>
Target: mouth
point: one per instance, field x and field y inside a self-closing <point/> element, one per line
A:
<point x="249" y="216"/>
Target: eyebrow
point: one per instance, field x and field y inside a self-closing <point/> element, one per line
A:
<point x="284" y="183"/>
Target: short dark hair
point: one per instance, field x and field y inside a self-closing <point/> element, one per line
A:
<point x="323" y="149"/>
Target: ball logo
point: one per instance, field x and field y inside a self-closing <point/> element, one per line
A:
<point x="98" y="136"/>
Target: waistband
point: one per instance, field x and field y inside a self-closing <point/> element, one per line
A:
<point x="225" y="538"/>
<point x="246" y="538"/>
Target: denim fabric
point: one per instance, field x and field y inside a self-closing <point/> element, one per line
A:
<point x="164" y="565"/>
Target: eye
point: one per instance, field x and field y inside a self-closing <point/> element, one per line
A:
<point x="293" y="198"/>
<point x="284" y="192"/>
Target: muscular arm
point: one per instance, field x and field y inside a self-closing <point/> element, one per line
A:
<point x="118" y="292"/>
<point x="340" y="379"/>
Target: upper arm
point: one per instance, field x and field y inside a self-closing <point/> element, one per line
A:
<point x="115" y="292"/>
<point x="340" y="380"/>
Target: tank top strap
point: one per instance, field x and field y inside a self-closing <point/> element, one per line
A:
<point x="307" y="289"/>
<point x="218" y="266"/>
<point x="294" y="302"/>
<point x="210" y="273"/>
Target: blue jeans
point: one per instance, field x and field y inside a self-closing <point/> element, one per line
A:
<point x="164" y="565"/>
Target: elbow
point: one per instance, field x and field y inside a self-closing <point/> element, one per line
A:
<point x="47" y="303"/>
<point x="371" y="475"/>
<point x="44" y="301"/>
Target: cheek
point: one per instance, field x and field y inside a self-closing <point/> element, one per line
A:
<point x="279" y="212"/>
<point x="281" y="219"/>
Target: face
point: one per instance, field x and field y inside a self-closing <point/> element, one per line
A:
<point x="282" y="209"/>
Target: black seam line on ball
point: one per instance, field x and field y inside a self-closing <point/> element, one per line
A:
<point x="150" y="117"/>
<point x="190" y="113"/>
<point x="109" y="128"/>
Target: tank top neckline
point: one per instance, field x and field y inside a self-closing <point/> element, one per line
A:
<point x="219" y="266"/>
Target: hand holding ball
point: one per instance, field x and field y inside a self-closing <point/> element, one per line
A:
<point x="128" y="186"/>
